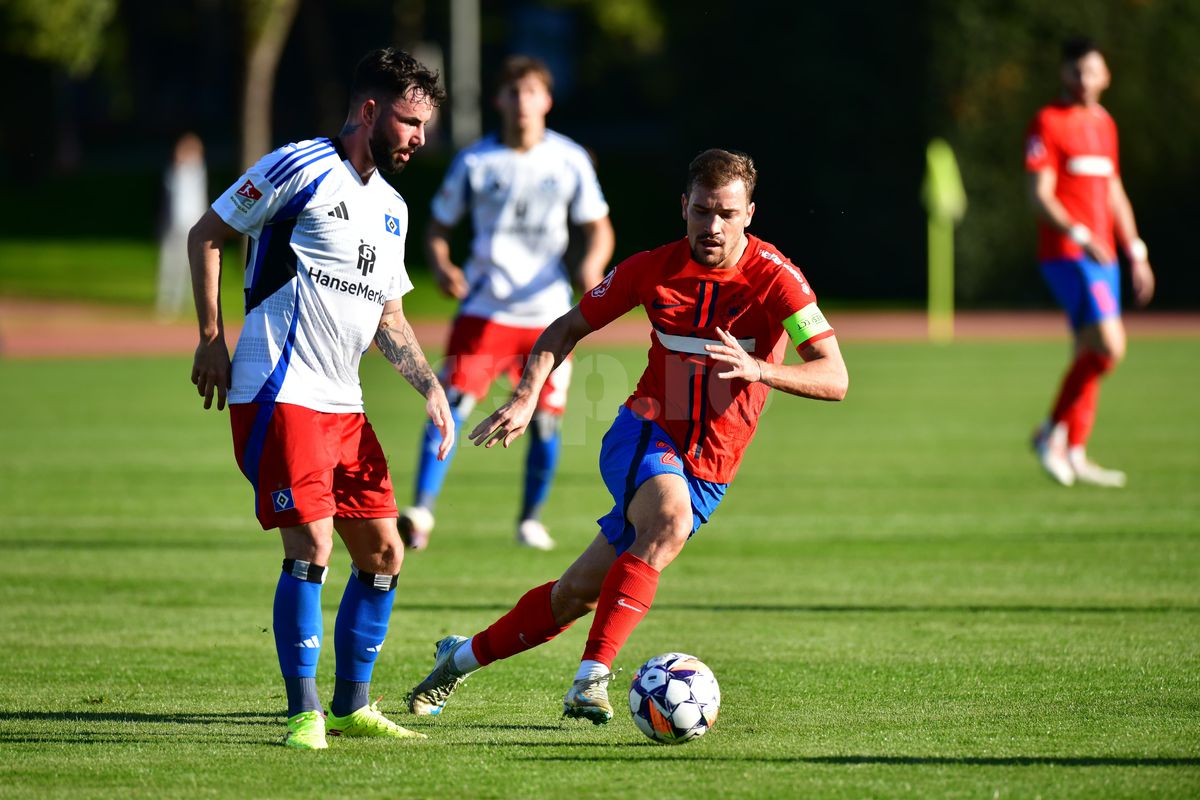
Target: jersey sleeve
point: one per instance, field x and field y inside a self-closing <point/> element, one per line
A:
<point x="613" y="296"/>
<point x="450" y="203"/>
<point x="793" y="304"/>
<point x="268" y="187"/>
<point x="588" y="204"/>
<point x="1040" y="148"/>
<point x="400" y="284"/>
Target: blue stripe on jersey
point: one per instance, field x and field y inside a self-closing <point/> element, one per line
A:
<point x="290" y="159"/>
<point x="302" y="199"/>
<point x="270" y="388"/>
<point x="261" y="248"/>
<point x="322" y="154"/>
<point x="274" y="259"/>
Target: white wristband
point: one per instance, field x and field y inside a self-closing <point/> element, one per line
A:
<point x="1080" y="234"/>
<point x="1137" y="250"/>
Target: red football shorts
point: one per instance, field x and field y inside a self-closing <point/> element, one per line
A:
<point x="307" y="465"/>
<point x="480" y="350"/>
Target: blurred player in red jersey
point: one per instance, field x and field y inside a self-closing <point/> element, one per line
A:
<point x="723" y="306"/>
<point x="1075" y="185"/>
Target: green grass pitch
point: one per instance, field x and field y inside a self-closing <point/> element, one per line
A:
<point x="894" y="599"/>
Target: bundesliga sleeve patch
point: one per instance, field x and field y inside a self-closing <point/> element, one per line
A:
<point x="806" y="324"/>
<point x="246" y="196"/>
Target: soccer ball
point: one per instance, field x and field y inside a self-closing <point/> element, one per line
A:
<point x="674" y="698"/>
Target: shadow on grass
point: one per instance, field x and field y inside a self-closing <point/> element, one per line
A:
<point x="972" y="761"/>
<point x="133" y="727"/>
<point x="485" y="726"/>
<point x="234" y="718"/>
<point x="820" y="608"/>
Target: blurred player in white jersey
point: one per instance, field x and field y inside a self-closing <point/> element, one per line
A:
<point x="324" y="277"/>
<point x="523" y="187"/>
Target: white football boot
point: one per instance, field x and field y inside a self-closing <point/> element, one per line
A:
<point x="1091" y="473"/>
<point x="1050" y="444"/>
<point x="532" y="533"/>
<point x="588" y="699"/>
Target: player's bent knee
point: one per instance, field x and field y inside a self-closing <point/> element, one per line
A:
<point x="660" y="543"/>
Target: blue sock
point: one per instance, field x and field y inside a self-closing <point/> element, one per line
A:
<point x="362" y="624"/>
<point x="431" y="473"/>
<point x="541" y="460"/>
<point x="298" y="632"/>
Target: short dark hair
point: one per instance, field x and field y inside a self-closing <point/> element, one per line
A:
<point x="1077" y="47"/>
<point x="393" y="72"/>
<point x="716" y="168"/>
<point x="515" y="67"/>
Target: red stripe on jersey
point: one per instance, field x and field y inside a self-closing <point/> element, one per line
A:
<point x="700" y="299"/>
<point x="817" y="338"/>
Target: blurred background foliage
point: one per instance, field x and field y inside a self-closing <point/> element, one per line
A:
<point x="836" y="102"/>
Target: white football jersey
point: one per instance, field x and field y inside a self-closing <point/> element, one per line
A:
<point x="326" y="252"/>
<point x="520" y="204"/>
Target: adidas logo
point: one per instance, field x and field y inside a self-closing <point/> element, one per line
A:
<point x="310" y="642"/>
<point x="340" y="211"/>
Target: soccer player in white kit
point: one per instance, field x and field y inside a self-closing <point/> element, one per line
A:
<point x="523" y="187"/>
<point x="324" y="277"/>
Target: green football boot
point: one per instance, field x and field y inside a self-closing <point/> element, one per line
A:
<point x="306" y="731"/>
<point x="369" y="721"/>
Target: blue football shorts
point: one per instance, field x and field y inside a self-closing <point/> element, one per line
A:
<point x="633" y="451"/>
<point x="1088" y="291"/>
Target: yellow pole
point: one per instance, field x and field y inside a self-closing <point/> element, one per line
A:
<point x="945" y="202"/>
<point x="941" y="279"/>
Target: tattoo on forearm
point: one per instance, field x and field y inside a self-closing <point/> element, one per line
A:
<point x="399" y="345"/>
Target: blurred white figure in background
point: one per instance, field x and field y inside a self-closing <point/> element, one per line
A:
<point x="185" y="201"/>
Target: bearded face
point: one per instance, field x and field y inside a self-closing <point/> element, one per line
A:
<point x="398" y="130"/>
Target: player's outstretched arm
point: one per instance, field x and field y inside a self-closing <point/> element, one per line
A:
<point x="210" y="365"/>
<point x="396" y="340"/>
<point x="552" y="347"/>
<point x="822" y="376"/>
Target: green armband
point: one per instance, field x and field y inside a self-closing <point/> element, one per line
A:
<point x="805" y="324"/>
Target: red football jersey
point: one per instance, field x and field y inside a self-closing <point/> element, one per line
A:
<point x="1080" y="144"/>
<point x="759" y="301"/>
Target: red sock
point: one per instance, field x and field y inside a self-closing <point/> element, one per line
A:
<point x="530" y="623"/>
<point x="625" y="597"/>
<point x="1081" y="383"/>
<point x="1082" y="415"/>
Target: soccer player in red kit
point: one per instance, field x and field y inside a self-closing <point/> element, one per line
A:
<point x="723" y="306"/>
<point x="1075" y="185"/>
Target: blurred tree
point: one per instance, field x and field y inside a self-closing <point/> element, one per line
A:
<point x="268" y="23"/>
<point x="70" y="35"/>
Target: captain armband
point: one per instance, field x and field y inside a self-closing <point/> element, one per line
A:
<point x="806" y="324"/>
<point x="305" y="570"/>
